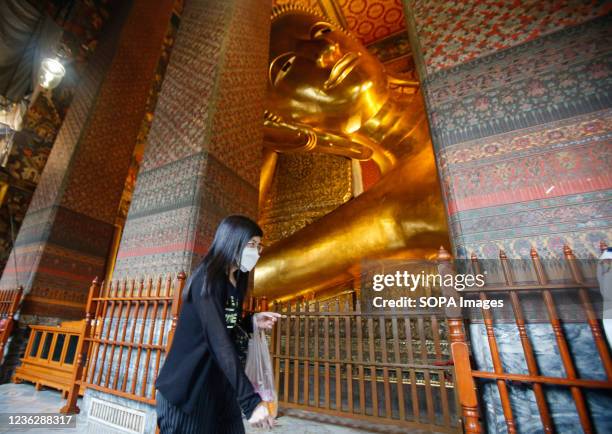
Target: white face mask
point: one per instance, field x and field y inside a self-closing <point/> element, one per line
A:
<point x="249" y="258"/>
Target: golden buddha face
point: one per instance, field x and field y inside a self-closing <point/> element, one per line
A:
<point x="320" y="76"/>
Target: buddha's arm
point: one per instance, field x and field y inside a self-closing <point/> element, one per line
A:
<point x="283" y="137"/>
<point x="401" y="216"/>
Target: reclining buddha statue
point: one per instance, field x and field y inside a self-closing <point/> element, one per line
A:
<point x="327" y="93"/>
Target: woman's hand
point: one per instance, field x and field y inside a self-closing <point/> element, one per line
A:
<point x="261" y="417"/>
<point x="266" y="320"/>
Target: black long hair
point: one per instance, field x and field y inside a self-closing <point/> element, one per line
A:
<point x="233" y="233"/>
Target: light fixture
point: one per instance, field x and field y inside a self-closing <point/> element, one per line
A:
<point x="51" y="73"/>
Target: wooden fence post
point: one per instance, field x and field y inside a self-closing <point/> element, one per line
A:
<point x="466" y="388"/>
<point x="10" y="320"/>
<point x="82" y="350"/>
<point x="583" y="294"/>
<point x="176" y="307"/>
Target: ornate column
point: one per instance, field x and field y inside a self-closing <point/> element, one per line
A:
<point x="203" y="155"/>
<point x="520" y="120"/>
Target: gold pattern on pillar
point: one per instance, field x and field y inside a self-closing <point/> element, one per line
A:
<point x="305" y="187"/>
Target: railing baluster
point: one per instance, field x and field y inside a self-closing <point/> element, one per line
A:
<point x="373" y="373"/>
<point x="426" y="371"/>
<point x="338" y="366"/>
<point x="600" y="340"/>
<point x="145" y="304"/>
<point x="136" y="308"/>
<point x="296" y="354"/>
<point x="306" y="374"/>
<point x="386" y="384"/>
<point x="162" y="328"/>
<point x="287" y="363"/>
<point x="317" y="355"/>
<point x="123" y="333"/>
<point x="277" y="333"/>
<point x="104" y="339"/>
<point x="360" y="370"/>
<point x="398" y="371"/>
<point x="530" y="359"/>
<point x="349" y="357"/>
<point x="326" y="356"/>
<point x="441" y="374"/>
<point x="564" y="350"/>
<point x="416" y="411"/>
<point x="113" y="342"/>
<point x="497" y="366"/>
<point x="145" y="375"/>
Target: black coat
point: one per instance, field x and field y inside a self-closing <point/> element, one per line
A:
<point x="202" y="347"/>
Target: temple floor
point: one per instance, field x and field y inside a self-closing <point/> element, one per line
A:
<point x="16" y="398"/>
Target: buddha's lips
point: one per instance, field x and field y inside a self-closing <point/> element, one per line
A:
<point x="341" y="69"/>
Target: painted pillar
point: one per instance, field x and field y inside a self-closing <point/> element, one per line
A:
<point x="519" y="107"/>
<point x="520" y="111"/>
<point x="203" y="155"/>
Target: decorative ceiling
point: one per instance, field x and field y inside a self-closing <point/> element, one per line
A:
<point x="369" y="20"/>
<point x="372" y="20"/>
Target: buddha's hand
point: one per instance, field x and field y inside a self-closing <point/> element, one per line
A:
<point x="266" y="320"/>
<point x="261" y="417"/>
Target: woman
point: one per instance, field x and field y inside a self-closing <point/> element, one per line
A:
<point x="202" y="386"/>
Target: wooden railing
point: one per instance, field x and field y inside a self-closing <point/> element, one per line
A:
<point x="9" y="303"/>
<point x="380" y="367"/>
<point x="127" y="331"/>
<point x="516" y="292"/>
<point x="412" y="369"/>
<point x="50" y="355"/>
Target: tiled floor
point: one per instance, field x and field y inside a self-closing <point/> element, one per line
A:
<point x="23" y="398"/>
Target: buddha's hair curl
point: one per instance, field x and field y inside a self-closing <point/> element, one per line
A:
<point x="281" y="10"/>
<point x="286" y="9"/>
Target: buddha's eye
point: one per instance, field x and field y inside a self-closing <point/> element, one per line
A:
<point x="280" y="67"/>
<point x="319" y="30"/>
<point x="287" y="64"/>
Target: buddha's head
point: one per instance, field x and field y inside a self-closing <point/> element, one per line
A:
<point x="319" y="75"/>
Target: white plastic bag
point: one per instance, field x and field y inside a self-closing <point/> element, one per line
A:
<point x="259" y="369"/>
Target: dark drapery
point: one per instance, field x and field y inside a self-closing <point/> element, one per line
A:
<point x="27" y="34"/>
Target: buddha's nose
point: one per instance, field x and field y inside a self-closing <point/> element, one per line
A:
<point x="324" y="53"/>
<point x="329" y="55"/>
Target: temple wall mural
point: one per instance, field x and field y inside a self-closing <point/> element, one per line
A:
<point x="519" y="107"/>
<point x="305" y="188"/>
<point x="524" y="100"/>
